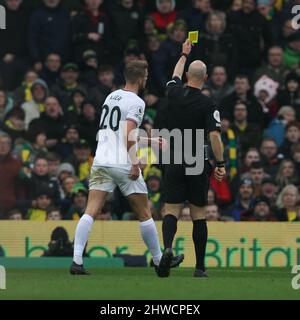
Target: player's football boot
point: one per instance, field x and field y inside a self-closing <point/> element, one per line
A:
<point x="177" y="260"/>
<point x="79" y="270"/>
<point x="200" y="274"/>
<point x="163" y="269"/>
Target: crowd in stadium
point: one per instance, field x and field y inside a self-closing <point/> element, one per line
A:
<point x="60" y="59"/>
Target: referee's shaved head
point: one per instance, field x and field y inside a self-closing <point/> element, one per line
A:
<point x="197" y="71"/>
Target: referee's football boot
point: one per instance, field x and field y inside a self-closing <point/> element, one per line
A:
<point x="163" y="269"/>
<point x="78" y="270"/>
<point x="177" y="260"/>
<point x="200" y="274"/>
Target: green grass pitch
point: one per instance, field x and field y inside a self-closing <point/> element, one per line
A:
<point x="142" y="283"/>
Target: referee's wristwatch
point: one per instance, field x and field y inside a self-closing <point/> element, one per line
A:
<point x="220" y="164"/>
<point x="184" y="55"/>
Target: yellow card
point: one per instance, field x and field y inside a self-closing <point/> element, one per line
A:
<point x="193" y="36"/>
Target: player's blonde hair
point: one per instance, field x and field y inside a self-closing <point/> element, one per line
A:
<point x="135" y="71"/>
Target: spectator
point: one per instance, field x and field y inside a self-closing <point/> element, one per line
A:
<point x="6" y="104"/>
<point x="260" y="212"/>
<point x="51" y="69"/>
<point x="212" y="213"/>
<point x="88" y="124"/>
<point x="165" y="59"/>
<point x="14" y="214"/>
<point x="242" y="92"/>
<point x="218" y="48"/>
<point x="67" y="185"/>
<point x="295" y="156"/>
<point x="89" y="68"/>
<point x="289" y="96"/>
<point x="35" y="144"/>
<point x="165" y="14"/>
<point x="185" y="214"/>
<point x="236" y="5"/>
<point x="276" y="128"/>
<point x="126" y="24"/>
<point x="13" y="50"/>
<point x="288" y="204"/>
<point x="287" y="174"/>
<point x="248" y="134"/>
<point x="265" y="90"/>
<point x="54" y="162"/>
<point x="42" y="203"/>
<point x="36" y="106"/>
<point x="23" y="93"/>
<point x="104" y="86"/>
<point x="256" y="175"/>
<point x="274" y="68"/>
<point x="250" y="28"/>
<point x="81" y="159"/>
<point x="252" y="155"/>
<point x="39" y="179"/>
<point x="269" y="189"/>
<point x="51" y="121"/>
<point x="65" y="147"/>
<point x="53" y="214"/>
<point x="195" y="14"/>
<point x="270" y="157"/>
<point x="14" y="125"/>
<point x="67" y="84"/>
<point x="64" y="171"/>
<point x="10" y="189"/>
<point x="244" y="200"/>
<point x="48" y="32"/>
<point x="211" y="197"/>
<point x="90" y="31"/>
<point x="218" y="84"/>
<point x="153" y="182"/>
<point x="291" y="53"/>
<point x="74" y="110"/>
<point x="292" y="136"/>
<point x="79" y="202"/>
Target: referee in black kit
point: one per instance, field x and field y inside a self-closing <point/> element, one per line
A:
<point x="190" y="109"/>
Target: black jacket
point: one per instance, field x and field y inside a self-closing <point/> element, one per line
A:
<point x="48" y="32"/>
<point x="81" y="26"/>
<point x="54" y="128"/>
<point x="13" y="38"/>
<point x="249" y="30"/>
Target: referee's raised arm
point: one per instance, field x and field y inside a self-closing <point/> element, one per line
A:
<point x="175" y="84"/>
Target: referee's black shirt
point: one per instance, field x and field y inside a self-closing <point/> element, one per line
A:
<point x="188" y="108"/>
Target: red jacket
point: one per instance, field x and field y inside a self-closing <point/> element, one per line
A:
<point x="163" y="20"/>
<point x="10" y="187"/>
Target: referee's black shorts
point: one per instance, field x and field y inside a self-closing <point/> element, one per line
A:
<point x="179" y="187"/>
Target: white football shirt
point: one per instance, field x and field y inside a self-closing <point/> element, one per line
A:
<point x="118" y="107"/>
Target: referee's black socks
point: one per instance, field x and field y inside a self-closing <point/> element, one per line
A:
<point x="169" y="228"/>
<point x="200" y="240"/>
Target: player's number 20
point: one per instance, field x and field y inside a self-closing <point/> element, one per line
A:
<point x="114" y="118"/>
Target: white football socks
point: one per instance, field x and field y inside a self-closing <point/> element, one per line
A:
<point x="83" y="229"/>
<point x="150" y="237"/>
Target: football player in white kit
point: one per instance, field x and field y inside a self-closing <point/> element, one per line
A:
<point x="116" y="164"/>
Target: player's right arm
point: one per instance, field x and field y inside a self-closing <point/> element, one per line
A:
<point x="131" y="143"/>
<point x="134" y="119"/>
